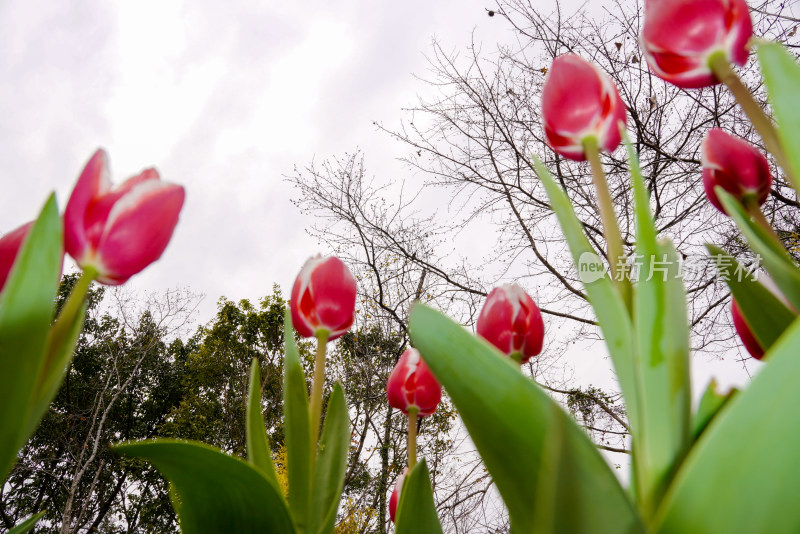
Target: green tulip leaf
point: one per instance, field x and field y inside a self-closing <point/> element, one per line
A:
<point x="60" y="347"/>
<point x="741" y="476"/>
<point x="782" y="76"/>
<point x="218" y="493"/>
<point x="765" y="314"/>
<point x="513" y="424"/>
<point x="26" y="312"/>
<point x="662" y="334"/>
<point x="27" y="525"/>
<point x="608" y="304"/>
<point x="331" y="464"/>
<point x="416" y="511"/>
<point x="774" y="257"/>
<point x="298" y="430"/>
<point x="710" y="405"/>
<point x="258" y="452"/>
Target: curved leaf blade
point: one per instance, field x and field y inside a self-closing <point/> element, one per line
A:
<point x="331" y="465"/>
<point x="662" y="358"/>
<point x="27" y="525"/>
<point x="218" y="493"/>
<point x="511" y="422"/>
<point x="782" y="76"/>
<point x="741" y="476"/>
<point x="776" y="260"/>
<point x="416" y="511"/>
<point x="26" y="311"/>
<point x="765" y="314"/>
<point x="609" y="306"/>
<point x="298" y="429"/>
<point x="258" y="452"/>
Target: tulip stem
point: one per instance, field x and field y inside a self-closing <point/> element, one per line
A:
<point x="316" y="389"/>
<point x="763" y="124"/>
<point x="412" y="437"/>
<point x="66" y="317"/>
<point x="613" y="237"/>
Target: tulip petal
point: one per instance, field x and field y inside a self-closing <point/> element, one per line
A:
<point x="92" y="183"/>
<point x="9" y="248"/>
<point x="138" y="229"/>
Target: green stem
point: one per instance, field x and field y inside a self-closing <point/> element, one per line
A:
<point x="316" y="389"/>
<point x="761" y="122"/>
<point x="613" y="237"/>
<point x="517" y="357"/>
<point x="412" y="438"/>
<point x="66" y="317"/>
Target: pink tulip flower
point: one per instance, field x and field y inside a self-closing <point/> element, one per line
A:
<point x="412" y="385"/>
<point x="578" y="102"/>
<point x="680" y="36"/>
<point x="323" y="298"/>
<point x="737" y="167"/>
<point x="119" y="231"/>
<point x="394" y="500"/>
<point x="511" y="321"/>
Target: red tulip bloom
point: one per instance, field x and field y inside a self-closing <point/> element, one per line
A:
<point x="9" y="248"/>
<point x="578" y="102"/>
<point x="394" y="500"/>
<point x="737" y="167"/>
<point x="680" y="36"/>
<point x="119" y="231"/>
<point x="412" y="385"/>
<point x="745" y="334"/>
<point x="512" y="322"/>
<point x="323" y="298"/>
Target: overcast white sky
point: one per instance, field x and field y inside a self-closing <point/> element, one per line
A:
<point x="224" y="98"/>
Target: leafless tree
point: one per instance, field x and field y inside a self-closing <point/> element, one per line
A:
<point x="478" y="216"/>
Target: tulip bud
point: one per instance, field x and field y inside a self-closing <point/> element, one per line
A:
<point x="323" y="298"/>
<point x="394" y="500"/>
<point x="512" y="322"/>
<point x="119" y="231"/>
<point x="578" y="102"/>
<point x="737" y="167"/>
<point x="412" y="385"/>
<point x="745" y="334"/>
<point x="9" y="248"/>
<point x="680" y="36"/>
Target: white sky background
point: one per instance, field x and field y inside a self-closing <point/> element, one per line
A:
<point x="224" y="98"/>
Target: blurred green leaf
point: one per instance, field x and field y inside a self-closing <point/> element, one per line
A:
<point x="331" y="465"/>
<point x="609" y="307"/>
<point x="416" y="511"/>
<point x="61" y="342"/>
<point x="512" y="422"/>
<point x="219" y="494"/>
<point x="782" y="76"/>
<point x="26" y="311"/>
<point x="662" y="334"/>
<point x="776" y="260"/>
<point x="298" y="430"/>
<point x="258" y="452"/>
<point x="27" y="525"/>
<point x="741" y="476"/>
<point x="765" y="314"/>
<point x="710" y="404"/>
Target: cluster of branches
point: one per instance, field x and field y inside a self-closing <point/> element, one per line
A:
<point x="477" y="215"/>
